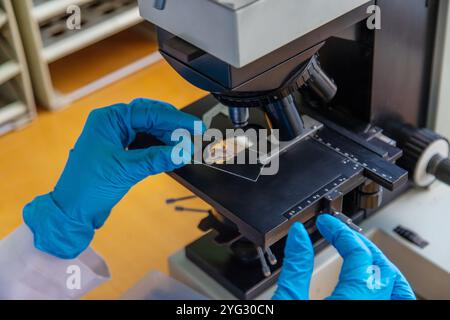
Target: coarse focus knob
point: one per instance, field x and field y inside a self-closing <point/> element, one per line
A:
<point x="425" y="155"/>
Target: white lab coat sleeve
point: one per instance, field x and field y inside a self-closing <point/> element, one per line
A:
<point x="27" y="273"/>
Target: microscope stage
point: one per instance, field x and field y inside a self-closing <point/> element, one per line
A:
<point x="313" y="172"/>
<point x="263" y="210"/>
<point x="260" y="208"/>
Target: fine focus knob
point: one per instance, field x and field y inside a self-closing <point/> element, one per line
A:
<point x="425" y="155"/>
<point x="440" y="168"/>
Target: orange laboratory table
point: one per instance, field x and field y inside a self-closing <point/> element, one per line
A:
<point x="142" y="230"/>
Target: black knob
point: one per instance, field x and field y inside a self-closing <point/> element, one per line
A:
<point x="440" y="168"/>
<point x="425" y="153"/>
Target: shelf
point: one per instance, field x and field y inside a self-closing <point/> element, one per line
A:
<point x="91" y="35"/>
<point x="48" y="9"/>
<point x="3" y="18"/>
<point x="12" y="111"/>
<point x="48" y="42"/>
<point x="8" y="70"/>
<point x="17" y="106"/>
<point x="115" y="59"/>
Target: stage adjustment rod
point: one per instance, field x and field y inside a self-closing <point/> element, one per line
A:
<point x="264" y="266"/>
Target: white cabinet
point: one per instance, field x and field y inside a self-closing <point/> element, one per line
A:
<point x="16" y="98"/>
<point x="48" y="39"/>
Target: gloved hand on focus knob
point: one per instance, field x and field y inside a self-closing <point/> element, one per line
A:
<point x="100" y="171"/>
<point x="366" y="273"/>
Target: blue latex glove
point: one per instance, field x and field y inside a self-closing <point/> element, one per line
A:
<point x="100" y="171"/>
<point x="363" y="261"/>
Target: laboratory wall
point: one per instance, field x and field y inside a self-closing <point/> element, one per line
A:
<point x="440" y="88"/>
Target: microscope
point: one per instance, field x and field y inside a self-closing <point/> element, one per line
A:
<point x="345" y="85"/>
